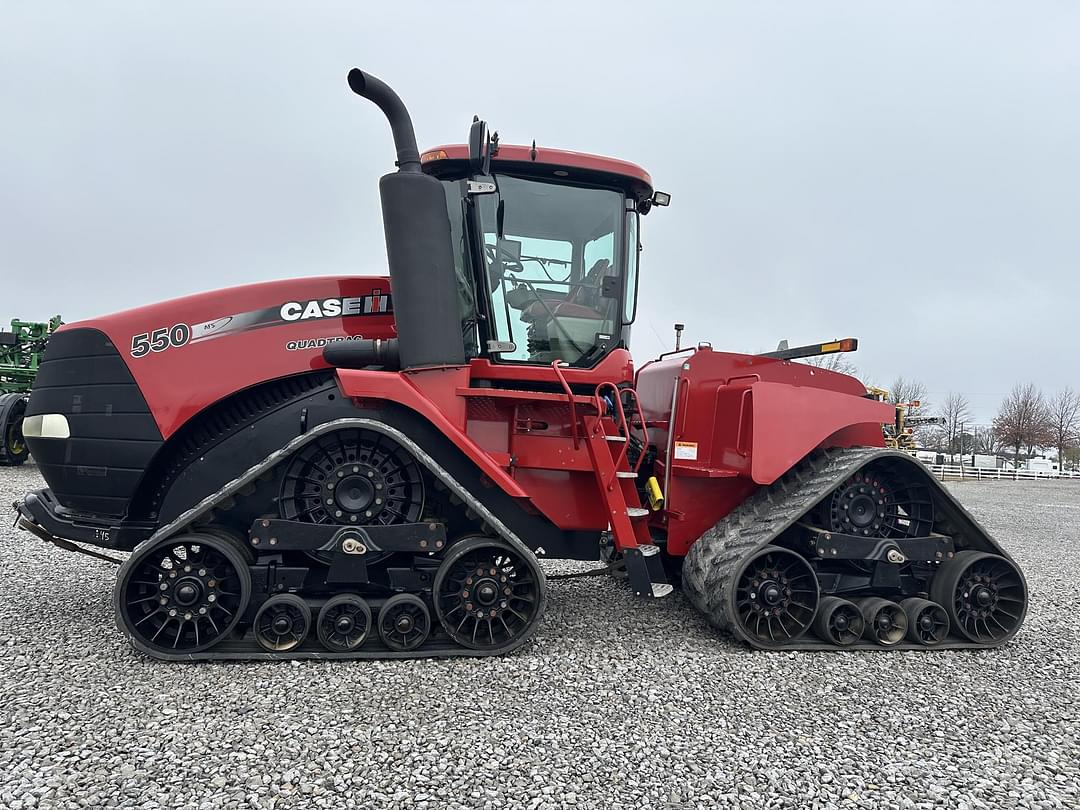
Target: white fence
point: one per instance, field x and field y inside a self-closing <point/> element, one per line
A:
<point x="956" y="472"/>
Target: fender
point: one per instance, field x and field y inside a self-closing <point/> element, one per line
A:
<point x="431" y="394"/>
<point x="789" y="421"/>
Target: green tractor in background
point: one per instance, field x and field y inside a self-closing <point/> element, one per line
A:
<point x="20" y="356"/>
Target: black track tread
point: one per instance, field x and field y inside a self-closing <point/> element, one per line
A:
<point x="244" y="647"/>
<point x="713" y="562"/>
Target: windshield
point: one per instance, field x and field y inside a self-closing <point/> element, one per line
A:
<point x="555" y="259"/>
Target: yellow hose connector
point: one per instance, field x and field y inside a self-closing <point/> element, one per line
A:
<point x="656" y="497"/>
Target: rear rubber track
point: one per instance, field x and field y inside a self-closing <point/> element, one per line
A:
<point x="713" y="562"/>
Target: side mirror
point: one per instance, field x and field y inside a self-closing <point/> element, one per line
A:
<point x="479" y="148"/>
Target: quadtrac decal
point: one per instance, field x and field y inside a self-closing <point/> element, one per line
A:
<point x="181" y="334"/>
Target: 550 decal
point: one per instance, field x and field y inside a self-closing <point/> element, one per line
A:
<point x="160" y="339"/>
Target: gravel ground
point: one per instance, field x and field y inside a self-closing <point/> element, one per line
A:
<point x="617" y="704"/>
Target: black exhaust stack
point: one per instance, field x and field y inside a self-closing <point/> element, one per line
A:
<point x="419" y="245"/>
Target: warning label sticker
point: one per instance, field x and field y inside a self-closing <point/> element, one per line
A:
<point x="686" y="451"/>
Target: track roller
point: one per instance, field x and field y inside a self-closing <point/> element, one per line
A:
<point x="404" y="622"/>
<point x="884" y="622"/>
<point x="928" y="623"/>
<point x="282" y="623"/>
<point x="344" y="623"/>
<point x="182" y="594"/>
<point x="775" y="596"/>
<point x="838" y="621"/>
<point x="984" y="595"/>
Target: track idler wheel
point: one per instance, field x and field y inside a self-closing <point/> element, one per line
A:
<point x="404" y="622"/>
<point x="282" y="623"/>
<point x="928" y="623"/>
<point x="984" y="594"/>
<point x="884" y="622"/>
<point x="838" y="621"/>
<point x="487" y="595"/>
<point x="344" y="623"/>
<point x="775" y="596"/>
<point x="182" y="594"/>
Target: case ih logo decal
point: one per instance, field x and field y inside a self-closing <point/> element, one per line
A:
<point x="373" y="304"/>
<point x="181" y="334"/>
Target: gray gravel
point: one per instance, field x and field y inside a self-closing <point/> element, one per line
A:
<point x="617" y="704"/>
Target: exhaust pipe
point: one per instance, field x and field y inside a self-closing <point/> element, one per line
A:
<point x="379" y="93"/>
<point x="419" y="244"/>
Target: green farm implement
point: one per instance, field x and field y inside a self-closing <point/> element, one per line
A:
<point x="20" y="355"/>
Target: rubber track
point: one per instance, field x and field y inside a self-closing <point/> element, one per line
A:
<point x="710" y="567"/>
<point x="246" y="648"/>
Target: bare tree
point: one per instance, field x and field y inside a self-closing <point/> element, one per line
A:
<point x="1064" y="411"/>
<point x="837" y="361"/>
<point x="956" y="413"/>
<point x="1023" y="420"/>
<point x="986" y="441"/>
<point x="904" y="390"/>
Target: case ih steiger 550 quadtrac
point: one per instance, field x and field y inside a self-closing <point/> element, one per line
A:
<point x="370" y="467"/>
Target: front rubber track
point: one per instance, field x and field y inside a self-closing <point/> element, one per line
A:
<point x="714" y="561"/>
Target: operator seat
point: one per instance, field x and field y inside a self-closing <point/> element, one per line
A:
<point x="581" y="315"/>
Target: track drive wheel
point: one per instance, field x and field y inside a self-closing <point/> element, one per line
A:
<point x="838" y="621"/>
<point x="344" y="623"/>
<point x="984" y="594"/>
<point x="182" y="594"/>
<point x="404" y="622"/>
<point x="13" y="449"/>
<point x="487" y="595"/>
<point x="775" y="597"/>
<point x="282" y="623"/>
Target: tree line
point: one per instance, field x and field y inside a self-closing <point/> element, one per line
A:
<point x="1028" y="422"/>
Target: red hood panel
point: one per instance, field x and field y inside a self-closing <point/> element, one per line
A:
<point x="189" y="352"/>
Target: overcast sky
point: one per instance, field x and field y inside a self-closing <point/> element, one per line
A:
<point x="908" y="174"/>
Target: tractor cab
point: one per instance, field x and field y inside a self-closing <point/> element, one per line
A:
<point x="545" y="246"/>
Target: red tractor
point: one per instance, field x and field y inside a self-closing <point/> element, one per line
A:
<point x="350" y="467"/>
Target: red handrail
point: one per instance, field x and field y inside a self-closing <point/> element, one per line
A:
<point x="570" y="396"/>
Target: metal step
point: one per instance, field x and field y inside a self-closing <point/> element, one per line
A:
<point x="615" y="438"/>
<point x="661" y="589"/>
<point x="626" y="474"/>
<point x="637" y="512"/>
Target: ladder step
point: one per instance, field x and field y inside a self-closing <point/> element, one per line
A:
<point x="626" y="474"/>
<point x="615" y="438"/>
<point x="637" y="512"/>
<point x="661" y="589"/>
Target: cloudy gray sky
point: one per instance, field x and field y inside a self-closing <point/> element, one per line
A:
<point x="905" y="173"/>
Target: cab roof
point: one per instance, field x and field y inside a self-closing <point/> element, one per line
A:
<point x="541" y="160"/>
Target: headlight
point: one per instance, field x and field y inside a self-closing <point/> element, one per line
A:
<point x="46" y="426"/>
